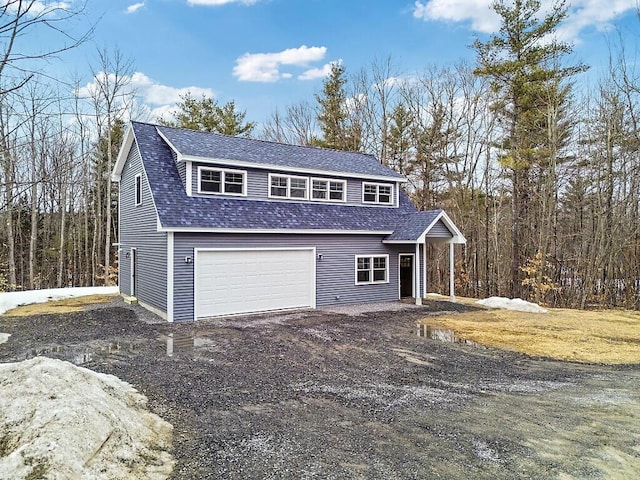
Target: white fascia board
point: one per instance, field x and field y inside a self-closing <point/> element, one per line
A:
<point x="402" y="242"/>
<point x="123" y="154"/>
<point x="275" y="230"/>
<point x="282" y="168"/>
<point x="457" y="235"/>
<point x="171" y="145"/>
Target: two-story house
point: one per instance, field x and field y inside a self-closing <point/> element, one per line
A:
<point x="214" y="225"/>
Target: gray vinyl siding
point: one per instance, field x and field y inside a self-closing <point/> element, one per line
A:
<point x="258" y="182"/>
<point x="138" y="225"/>
<point x="439" y="230"/>
<point x="335" y="272"/>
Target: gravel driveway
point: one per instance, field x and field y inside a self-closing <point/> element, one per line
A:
<point x="351" y="395"/>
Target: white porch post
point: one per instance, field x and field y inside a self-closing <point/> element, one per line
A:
<point x="417" y="274"/>
<point x="451" y="268"/>
<point x="424" y="270"/>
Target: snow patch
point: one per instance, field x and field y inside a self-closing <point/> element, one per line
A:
<point x="9" y="300"/>
<point x="4" y="337"/>
<point x="63" y="421"/>
<point x="516" y="304"/>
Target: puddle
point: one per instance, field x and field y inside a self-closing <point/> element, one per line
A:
<point x="180" y="342"/>
<point x="82" y="355"/>
<point x="442" y="334"/>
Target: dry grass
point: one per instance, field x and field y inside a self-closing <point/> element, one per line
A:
<point x="64" y="305"/>
<point x="604" y="336"/>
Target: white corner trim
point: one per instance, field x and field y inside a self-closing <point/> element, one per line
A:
<point x="170" y="266"/>
<point x="189" y="178"/>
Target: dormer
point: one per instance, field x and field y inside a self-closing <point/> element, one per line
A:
<point x="211" y="164"/>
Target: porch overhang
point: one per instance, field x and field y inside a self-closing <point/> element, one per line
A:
<point x="420" y="228"/>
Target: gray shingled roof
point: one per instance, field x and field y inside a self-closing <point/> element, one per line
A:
<point x="410" y="226"/>
<point x="177" y="210"/>
<point x="260" y="152"/>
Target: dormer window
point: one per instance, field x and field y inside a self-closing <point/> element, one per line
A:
<point x="288" y="186"/>
<point x="380" y="193"/>
<point x="222" y="181"/>
<point x="330" y="190"/>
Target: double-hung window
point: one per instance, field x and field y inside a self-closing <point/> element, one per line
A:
<point x="372" y="269"/>
<point x="330" y="190"/>
<point x="219" y="180"/>
<point x="288" y="186"/>
<point x="381" y="193"/>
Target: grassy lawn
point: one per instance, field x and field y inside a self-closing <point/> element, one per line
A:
<point x="600" y="336"/>
<point x="64" y="305"/>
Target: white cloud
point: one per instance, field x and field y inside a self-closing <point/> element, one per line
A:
<point x="36" y="7"/>
<point x="134" y="8"/>
<point x="152" y="97"/>
<point x="265" y="67"/>
<point x="314" y="73"/>
<point x="582" y="14"/>
<point x="216" y="3"/>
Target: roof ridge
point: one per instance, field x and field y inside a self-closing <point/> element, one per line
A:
<point x="273" y="142"/>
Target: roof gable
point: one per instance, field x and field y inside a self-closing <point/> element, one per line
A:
<point x="260" y="153"/>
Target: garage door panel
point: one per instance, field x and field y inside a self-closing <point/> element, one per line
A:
<point x="244" y="281"/>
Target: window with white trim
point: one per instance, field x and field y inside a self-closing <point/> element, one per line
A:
<point x="138" y="189"/>
<point x="381" y="193"/>
<point x="372" y="269"/>
<point x="222" y="181"/>
<point x="330" y="190"/>
<point x="288" y="186"/>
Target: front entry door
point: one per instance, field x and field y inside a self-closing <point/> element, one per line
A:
<point x="406" y="276"/>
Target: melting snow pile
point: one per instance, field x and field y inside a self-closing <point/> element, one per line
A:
<point x="58" y="420"/>
<point x="9" y="300"/>
<point x="512" y="304"/>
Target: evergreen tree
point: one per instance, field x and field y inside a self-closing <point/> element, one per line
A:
<point x="523" y="61"/>
<point x="399" y="138"/>
<point x="206" y="115"/>
<point x="339" y="131"/>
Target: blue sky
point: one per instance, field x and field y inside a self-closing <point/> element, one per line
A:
<point x="268" y="53"/>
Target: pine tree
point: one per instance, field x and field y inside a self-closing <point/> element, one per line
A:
<point x="339" y="131"/>
<point x="206" y="115"/>
<point x="523" y="61"/>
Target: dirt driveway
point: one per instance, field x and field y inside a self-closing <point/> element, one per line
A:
<point x="333" y="396"/>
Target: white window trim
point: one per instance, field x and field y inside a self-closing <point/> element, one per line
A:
<point x="223" y="172"/>
<point x="137" y="178"/>
<point x="289" y="178"/>
<point x="371" y="257"/>
<point x="328" y="180"/>
<point x="377" y="201"/>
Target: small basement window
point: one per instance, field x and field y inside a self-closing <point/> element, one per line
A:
<point x="217" y="180"/>
<point x="138" y="189"/>
<point x="288" y="186"/>
<point x="330" y="190"/>
<point x="372" y="269"/>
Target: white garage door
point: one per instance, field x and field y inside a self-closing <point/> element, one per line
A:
<point x="243" y="281"/>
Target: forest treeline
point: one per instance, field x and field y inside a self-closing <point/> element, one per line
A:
<point x="537" y="164"/>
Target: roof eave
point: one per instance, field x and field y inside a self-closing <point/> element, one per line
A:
<point x="123" y="154"/>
